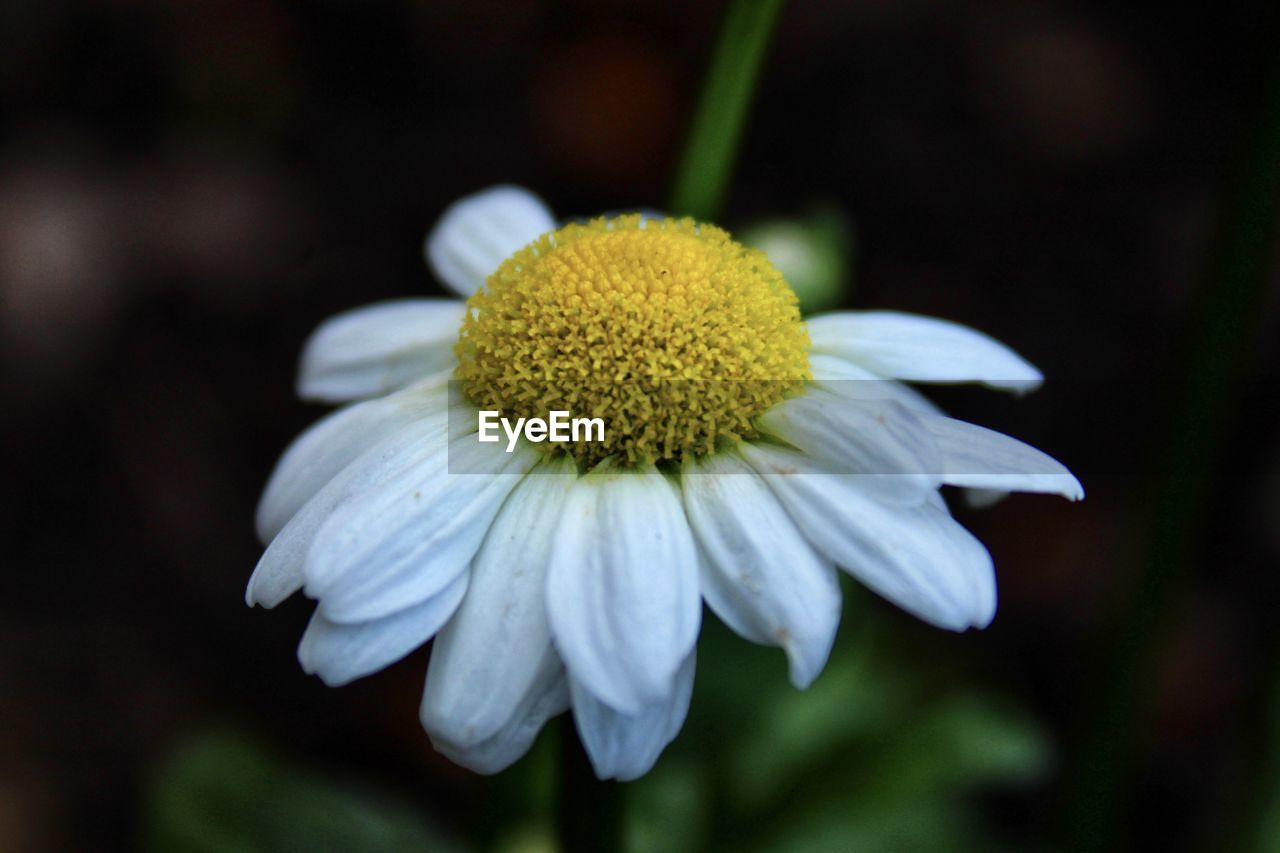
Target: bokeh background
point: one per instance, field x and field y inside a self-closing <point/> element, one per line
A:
<point x="187" y="189"/>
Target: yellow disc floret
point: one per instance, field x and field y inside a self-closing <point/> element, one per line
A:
<point x="668" y="330"/>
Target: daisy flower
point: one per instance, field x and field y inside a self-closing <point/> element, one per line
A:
<point x="748" y="457"/>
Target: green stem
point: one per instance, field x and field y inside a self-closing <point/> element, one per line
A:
<point x="589" y="812"/>
<point x="1218" y="351"/>
<point x="703" y="176"/>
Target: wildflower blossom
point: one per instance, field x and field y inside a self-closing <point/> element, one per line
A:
<point x="748" y="456"/>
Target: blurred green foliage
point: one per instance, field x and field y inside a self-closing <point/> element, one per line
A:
<point x="873" y="756"/>
<point x="884" y="752"/>
<point x="1257" y="809"/>
<point x="814" y="252"/>
<point x="223" y="793"/>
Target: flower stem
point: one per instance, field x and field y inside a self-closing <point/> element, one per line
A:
<point x="703" y="176"/>
<point x="589" y="811"/>
<point x="1218" y="351"/>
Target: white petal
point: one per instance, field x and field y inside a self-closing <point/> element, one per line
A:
<point x="837" y="375"/>
<point x="626" y="746"/>
<point x="918" y="557"/>
<point x="969" y="557"/>
<point x="395" y="545"/>
<point x="978" y="457"/>
<point x="279" y="573"/>
<point x="881" y="441"/>
<point x="325" y="448"/>
<point x="341" y="653"/>
<point x="547" y="696"/>
<point x="379" y="348"/>
<point x="486" y="659"/>
<point x="476" y="234"/>
<point x="622" y="593"/>
<point x="991" y="479"/>
<point x="759" y="573"/>
<point x="921" y="349"/>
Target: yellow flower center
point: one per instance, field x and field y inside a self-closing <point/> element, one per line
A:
<point x="668" y="330"/>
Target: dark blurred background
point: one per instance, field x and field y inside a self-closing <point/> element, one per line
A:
<point x="186" y="189"/>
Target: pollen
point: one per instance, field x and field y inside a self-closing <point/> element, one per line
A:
<point x="673" y="334"/>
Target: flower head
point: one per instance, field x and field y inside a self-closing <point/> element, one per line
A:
<point x="671" y="330"/>
<point x="748" y="456"/>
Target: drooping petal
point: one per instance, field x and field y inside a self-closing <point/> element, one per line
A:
<point x="622" y="592"/>
<point x="880" y="441"/>
<point x="325" y="448"/>
<point x="981" y="458"/>
<point x="971" y="559"/>
<point x="988" y="467"/>
<point x="626" y="746"/>
<point x="837" y="375"/>
<point x="279" y="573"/>
<point x="918" y="557"/>
<point x="476" y="234"/>
<point x="486" y="659"/>
<point x="340" y="653"/>
<point x="546" y="696"/>
<point x="391" y="547"/>
<point x="921" y="349"/>
<point x="379" y="348"/>
<point x="759" y="573"/>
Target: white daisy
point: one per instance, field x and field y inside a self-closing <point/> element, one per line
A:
<point x="748" y="457"/>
